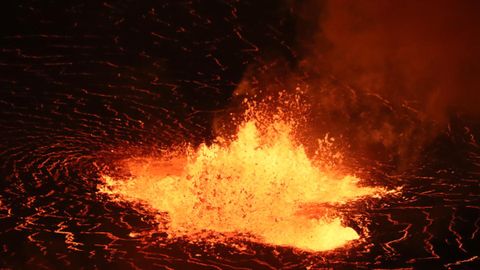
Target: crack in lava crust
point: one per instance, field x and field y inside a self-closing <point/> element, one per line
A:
<point x="260" y="183"/>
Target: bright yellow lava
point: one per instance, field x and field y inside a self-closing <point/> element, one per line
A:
<point x="261" y="183"/>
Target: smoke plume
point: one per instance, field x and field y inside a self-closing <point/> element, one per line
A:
<point x="423" y="52"/>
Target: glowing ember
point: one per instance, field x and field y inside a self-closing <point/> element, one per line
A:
<point x="260" y="183"/>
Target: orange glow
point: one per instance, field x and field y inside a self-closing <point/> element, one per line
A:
<point x="259" y="183"/>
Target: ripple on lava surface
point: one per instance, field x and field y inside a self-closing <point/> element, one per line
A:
<point x="79" y="81"/>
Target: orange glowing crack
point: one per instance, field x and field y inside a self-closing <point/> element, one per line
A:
<point x="258" y="183"/>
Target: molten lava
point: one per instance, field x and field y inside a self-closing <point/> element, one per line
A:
<point x="260" y="183"/>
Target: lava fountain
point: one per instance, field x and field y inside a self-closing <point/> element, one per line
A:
<point x="259" y="182"/>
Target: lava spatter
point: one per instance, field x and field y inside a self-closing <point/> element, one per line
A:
<point x="258" y="183"/>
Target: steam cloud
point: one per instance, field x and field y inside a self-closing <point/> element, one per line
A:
<point x="426" y="52"/>
<point x="421" y="56"/>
